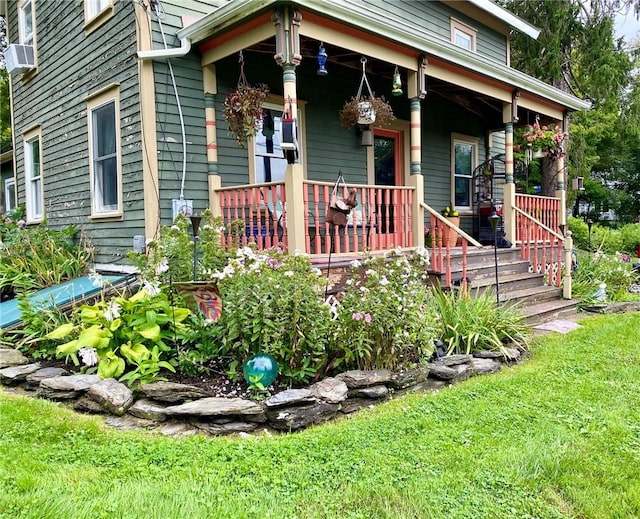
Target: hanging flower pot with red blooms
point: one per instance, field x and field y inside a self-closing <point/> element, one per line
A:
<point x="243" y="108"/>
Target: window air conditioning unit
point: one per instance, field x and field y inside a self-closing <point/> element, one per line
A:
<point x="19" y="58"/>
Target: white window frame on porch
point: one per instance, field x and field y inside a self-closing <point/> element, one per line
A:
<point x="33" y="179"/>
<point x="463" y="35"/>
<point x="474" y="142"/>
<point x="276" y="105"/>
<point x="99" y="100"/>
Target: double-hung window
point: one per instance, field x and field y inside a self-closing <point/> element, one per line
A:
<point x="25" y="16"/>
<point x="33" y="175"/>
<point x="464" y="152"/>
<point x="104" y="154"/>
<point x="269" y="161"/>
<point x="96" y="13"/>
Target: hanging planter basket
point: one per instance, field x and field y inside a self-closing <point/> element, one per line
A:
<point x="365" y="108"/>
<point x="243" y="107"/>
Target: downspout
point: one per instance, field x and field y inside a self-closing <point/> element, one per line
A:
<point x="164" y="54"/>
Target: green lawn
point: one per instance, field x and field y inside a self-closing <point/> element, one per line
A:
<point x="557" y="436"/>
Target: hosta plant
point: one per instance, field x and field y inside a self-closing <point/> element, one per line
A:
<point x="137" y="332"/>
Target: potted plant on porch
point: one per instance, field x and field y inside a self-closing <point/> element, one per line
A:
<point x="243" y="107"/>
<point x="539" y="141"/>
<point x="454" y="217"/>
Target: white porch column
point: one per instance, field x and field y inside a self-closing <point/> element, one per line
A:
<point x="509" y="217"/>
<point x="416" y="91"/>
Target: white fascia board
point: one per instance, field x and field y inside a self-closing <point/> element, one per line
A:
<point x="230" y="13"/>
<point x="365" y="17"/>
<point x="507" y="16"/>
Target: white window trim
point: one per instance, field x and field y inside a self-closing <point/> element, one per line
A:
<point x="21" y="24"/>
<point x="95" y="101"/>
<point x="9" y="190"/>
<point x="93" y="20"/>
<point x="276" y="104"/>
<point x="34" y="214"/>
<point x="457" y="138"/>
<point x="458" y="26"/>
<point x="33" y="41"/>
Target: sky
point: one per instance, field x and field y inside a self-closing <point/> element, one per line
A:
<point x="628" y="27"/>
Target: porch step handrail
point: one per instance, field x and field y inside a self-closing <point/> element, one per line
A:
<point x="538" y="223"/>
<point x="453" y="227"/>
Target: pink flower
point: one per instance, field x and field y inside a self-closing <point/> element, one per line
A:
<point x="367" y="318"/>
<point x="356" y="316"/>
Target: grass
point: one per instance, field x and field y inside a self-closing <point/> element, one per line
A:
<point x="557" y="436"/>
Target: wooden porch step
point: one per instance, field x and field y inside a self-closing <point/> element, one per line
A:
<point x="530" y="296"/>
<point x="546" y="311"/>
<point x="508" y="282"/>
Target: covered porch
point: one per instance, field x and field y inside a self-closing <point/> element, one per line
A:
<point x="449" y="100"/>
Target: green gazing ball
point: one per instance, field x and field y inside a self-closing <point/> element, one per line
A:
<point x="262" y="369"/>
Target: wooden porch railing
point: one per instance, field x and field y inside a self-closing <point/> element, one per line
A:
<point x="442" y="243"/>
<point x="542" y="246"/>
<point x="254" y="213"/>
<point x="381" y="220"/>
<point x="544" y="209"/>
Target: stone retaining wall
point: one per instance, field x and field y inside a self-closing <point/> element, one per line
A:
<point x="179" y="409"/>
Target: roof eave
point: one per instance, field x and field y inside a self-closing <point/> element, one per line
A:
<point x="401" y="32"/>
<point x="507" y="16"/>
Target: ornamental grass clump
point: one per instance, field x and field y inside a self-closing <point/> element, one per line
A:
<point x="32" y="258"/>
<point x="470" y="323"/>
<point x="385" y="318"/>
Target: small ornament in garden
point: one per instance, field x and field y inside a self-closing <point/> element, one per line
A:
<point x="243" y="107"/>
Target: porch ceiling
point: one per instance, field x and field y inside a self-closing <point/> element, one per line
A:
<point x="396" y="42"/>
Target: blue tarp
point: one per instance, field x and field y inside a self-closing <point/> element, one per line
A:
<point x="59" y="295"/>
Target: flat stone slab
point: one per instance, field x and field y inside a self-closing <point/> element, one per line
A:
<point x="227" y="428"/>
<point x="409" y="377"/>
<point x="290" y="397"/>
<point x="332" y="390"/>
<point x="127" y="422"/>
<point x="16" y="374"/>
<point x="483" y="366"/>
<point x="371" y="393"/>
<point x="173" y="392"/>
<point x="33" y="379"/>
<point x="292" y="418"/>
<point x="442" y="372"/>
<point x="10" y="357"/>
<point x="215" y="406"/>
<point x="453" y="360"/>
<point x="561" y="326"/>
<point x="111" y="395"/>
<point x="364" y="378"/>
<point x="66" y="387"/>
<point x="148" y="410"/>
